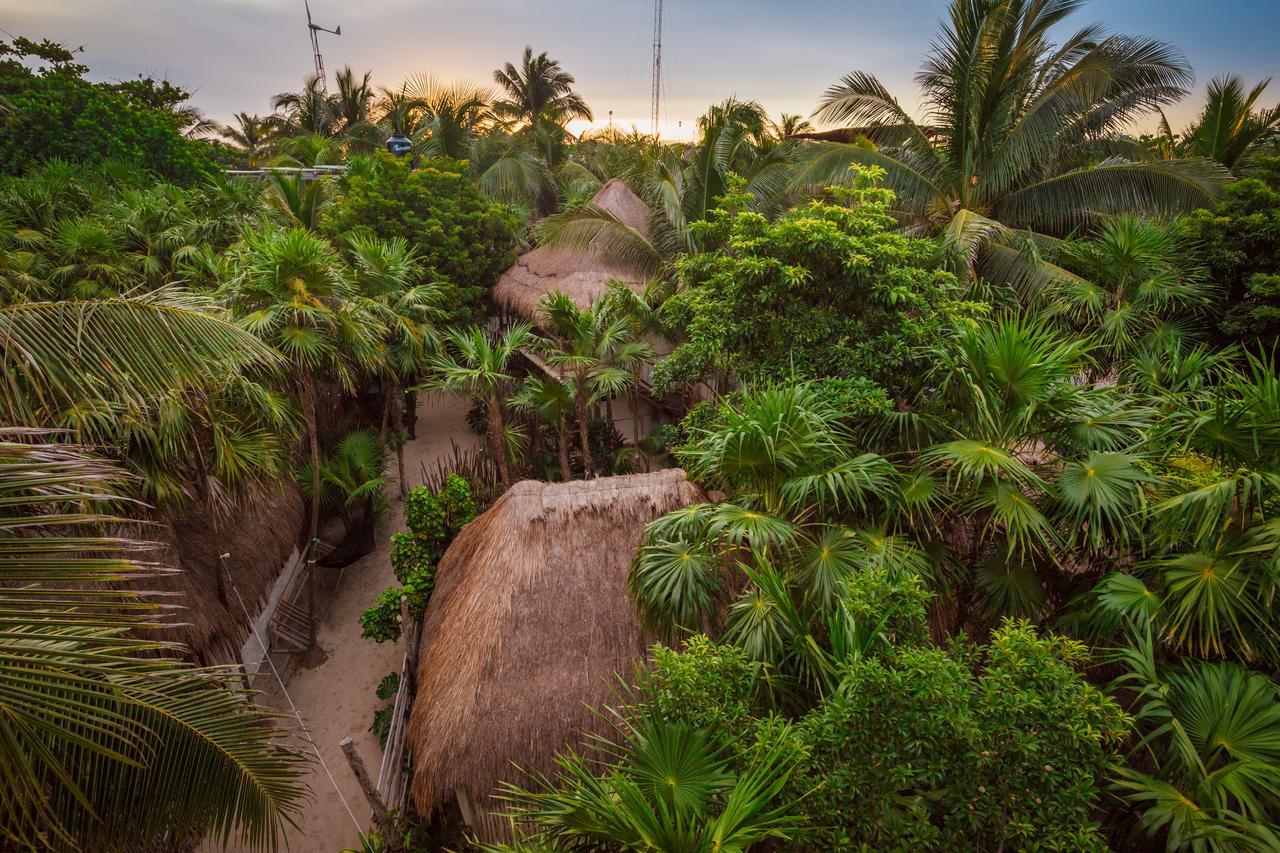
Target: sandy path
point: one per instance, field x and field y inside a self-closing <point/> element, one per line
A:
<point x="336" y="697"/>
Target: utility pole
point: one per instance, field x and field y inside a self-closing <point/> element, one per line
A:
<point x="657" y="62"/>
<point x="314" y="28"/>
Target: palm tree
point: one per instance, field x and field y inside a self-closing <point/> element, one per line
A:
<point x="311" y="110"/>
<point x="1212" y="731"/>
<point x="552" y="400"/>
<point x="476" y="365"/>
<point x="109" y="737"/>
<point x="292" y="291"/>
<point x="1134" y="284"/>
<point x="682" y="185"/>
<point x="252" y="135"/>
<point x="1230" y="126"/>
<point x="1020" y="134"/>
<point x="388" y="276"/>
<point x="662" y="786"/>
<point x="538" y="91"/>
<point x="597" y="353"/>
<point x="354" y="99"/>
<point x="452" y="116"/>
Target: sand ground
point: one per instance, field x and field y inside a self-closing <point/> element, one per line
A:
<point x="334" y="690"/>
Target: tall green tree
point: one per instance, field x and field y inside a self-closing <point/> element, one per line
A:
<point x="477" y="365"/>
<point x="1232" y="125"/>
<point x="293" y="291"/>
<point x="597" y="353"/>
<point x="537" y="91"/>
<point x="1022" y="139"/>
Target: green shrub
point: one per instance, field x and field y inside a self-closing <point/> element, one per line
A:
<point x="54" y="113"/>
<point x="917" y="751"/>
<point x="407" y="556"/>
<point x="387" y="689"/>
<point x="434" y="519"/>
<point x="826" y="290"/>
<point x="381" y="622"/>
<point x="705" y="685"/>
<point x="464" y="236"/>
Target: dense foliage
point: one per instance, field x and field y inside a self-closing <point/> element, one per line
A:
<point x="465" y="237"/>
<point x="848" y="295"/>
<point x="55" y="113"/>
<point x="433" y="518"/>
<point x="1239" y="242"/>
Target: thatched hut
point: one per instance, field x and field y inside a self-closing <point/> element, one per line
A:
<point x="582" y="275"/>
<point x="528" y="630"/>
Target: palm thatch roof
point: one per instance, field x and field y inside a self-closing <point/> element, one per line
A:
<point x="258" y="536"/>
<point x="527" y="631"/>
<point x="582" y="275"/>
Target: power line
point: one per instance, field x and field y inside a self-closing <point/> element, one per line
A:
<point x="296" y="713"/>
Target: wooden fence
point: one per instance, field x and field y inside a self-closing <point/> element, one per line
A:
<point x="393" y="778"/>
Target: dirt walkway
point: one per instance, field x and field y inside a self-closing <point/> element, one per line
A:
<point x="336" y="696"/>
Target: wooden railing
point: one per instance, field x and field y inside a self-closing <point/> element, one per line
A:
<point x="392" y="776"/>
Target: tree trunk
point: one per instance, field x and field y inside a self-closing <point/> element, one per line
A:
<point x="635" y="413"/>
<point x="584" y="427"/>
<point x="309" y="408"/>
<point x="389" y="392"/>
<point x="496" y="443"/>
<point x="562" y="434"/>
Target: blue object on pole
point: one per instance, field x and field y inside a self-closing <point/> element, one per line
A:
<point x="399" y="145"/>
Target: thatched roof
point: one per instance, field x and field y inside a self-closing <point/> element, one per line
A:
<point x="528" y="628"/>
<point x="581" y="275"/>
<point x="259" y="536"/>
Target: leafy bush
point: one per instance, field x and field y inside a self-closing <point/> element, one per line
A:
<point x="407" y="556"/>
<point x="466" y="238"/>
<point x="1239" y="242"/>
<point x="55" y="113"/>
<point x="434" y="519"/>
<point x="828" y="289"/>
<point x="387" y="689"/>
<point x="915" y="750"/>
<point x="381" y="622"/>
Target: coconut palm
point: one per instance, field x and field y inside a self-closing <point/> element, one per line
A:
<point x="476" y="365"/>
<point x="1231" y="125"/>
<point x="540" y="90"/>
<point x="354" y="99"/>
<point x="108" y="736"/>
<point x="355" y="472"/>
<point x="1020" y="135"/>
<point x="388" y="275"/>
<point x="292" y="290"/>
<point x="596" y="352"/>
<point x="309" y="110"/>
<point x="253" y="136"/>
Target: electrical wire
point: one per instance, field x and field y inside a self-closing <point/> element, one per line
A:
<point x="267" y="656"/>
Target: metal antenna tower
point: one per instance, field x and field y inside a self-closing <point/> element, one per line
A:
<point x="657" y="62"/>
<point x="314" y="29"/>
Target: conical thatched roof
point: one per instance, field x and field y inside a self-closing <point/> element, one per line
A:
<point x="581" y="275"/>
<point x="528" y="627"/>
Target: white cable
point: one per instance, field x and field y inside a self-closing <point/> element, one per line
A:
<point x="266" y="654"/>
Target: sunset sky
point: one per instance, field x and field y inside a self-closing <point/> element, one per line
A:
<point x="236" y="53"/>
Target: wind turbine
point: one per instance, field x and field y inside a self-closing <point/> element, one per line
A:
<point x="314" y="28"/>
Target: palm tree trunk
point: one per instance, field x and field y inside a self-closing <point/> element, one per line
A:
<point x="496" y="443"/>
<point x="390" y="388"/>
<point x="635" y="413"/>
<point x="584" y="426"/>
<point x="309" y="408"/>
<point x="562" y="433"/>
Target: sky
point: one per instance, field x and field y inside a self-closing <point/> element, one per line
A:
<point x="235" y="54"/>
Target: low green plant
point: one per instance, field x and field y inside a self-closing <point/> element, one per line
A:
<point x="408" y="555"/>
<point x="387" y="689"/>
<point x="381" y="622"/>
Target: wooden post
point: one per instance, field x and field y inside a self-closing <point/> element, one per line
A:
<point x="410" y="637"/>
<point x="311" y="593"/>
<point x="381" y="817"/>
